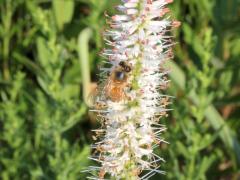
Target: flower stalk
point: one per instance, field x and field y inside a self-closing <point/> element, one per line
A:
<point x="130" y="99"/>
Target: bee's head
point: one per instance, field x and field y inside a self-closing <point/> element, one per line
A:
<point x="125" y="66"/>
<point x="122" y="63"/>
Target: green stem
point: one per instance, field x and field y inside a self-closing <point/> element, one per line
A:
<point x="6" y="18"/>
<point x="83" y="52"/>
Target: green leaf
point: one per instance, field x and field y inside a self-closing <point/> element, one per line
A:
<point x="28" y="63"/>
<point x="182" y="149"/>
<point x="74" y="119"/>
<point x="43" y="52"/>
<point x="205" y="164"/>
<point x="63" y="11"/>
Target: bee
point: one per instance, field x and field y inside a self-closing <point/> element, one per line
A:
<point x="117" y="82"/>
<point x="113" y="88"/>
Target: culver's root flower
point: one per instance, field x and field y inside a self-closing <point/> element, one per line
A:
<point x="129" y="102"/>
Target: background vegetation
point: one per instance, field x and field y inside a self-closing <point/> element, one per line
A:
<point x="44" y="122"/>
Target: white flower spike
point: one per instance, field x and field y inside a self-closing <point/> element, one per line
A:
<point x="129" y="102"/>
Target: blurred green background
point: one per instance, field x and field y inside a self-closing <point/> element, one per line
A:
<point x="47" y="50"/>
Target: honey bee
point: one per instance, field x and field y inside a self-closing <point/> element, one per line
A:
<point x="113" y="88"/>
<point x="117" y="82"/>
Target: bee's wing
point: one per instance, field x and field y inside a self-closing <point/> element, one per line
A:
<point x="95" y="96"/>
<point x="90" y="99"/>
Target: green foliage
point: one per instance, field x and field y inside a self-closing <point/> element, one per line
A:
<point x="44" y="81"/>
<point x="42" y="114"/>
